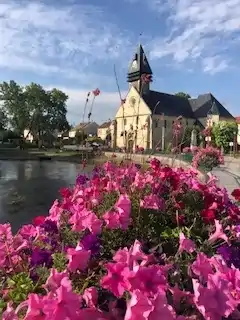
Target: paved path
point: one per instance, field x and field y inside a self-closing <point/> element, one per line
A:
<point x="227" y="179"/>
<point x="229" y="174"/>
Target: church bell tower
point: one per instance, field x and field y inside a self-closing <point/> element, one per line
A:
<point x="139" y="72"/>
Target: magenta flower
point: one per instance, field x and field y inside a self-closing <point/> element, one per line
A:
<point x="186" y="244"/>
<point x="78" y="258"/>
<point x="148" y="279"/>
<point x="219" y="233"/>
<point x="117" y="278"/>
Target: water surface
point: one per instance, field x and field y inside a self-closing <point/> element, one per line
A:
<point x="28" y="188"/>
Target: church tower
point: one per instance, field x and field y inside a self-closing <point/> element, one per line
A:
<point x="138" y="70"/>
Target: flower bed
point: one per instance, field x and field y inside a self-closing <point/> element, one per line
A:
<point x="126" y="244"/>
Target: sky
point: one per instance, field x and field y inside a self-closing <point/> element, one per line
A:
<point x="73" y="45"/>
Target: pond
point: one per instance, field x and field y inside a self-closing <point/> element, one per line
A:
<point x="28" y="188"/>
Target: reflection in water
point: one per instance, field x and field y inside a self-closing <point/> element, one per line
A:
<point x="28" y="188"/>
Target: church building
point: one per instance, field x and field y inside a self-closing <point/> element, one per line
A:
<point x="146" y="117"/>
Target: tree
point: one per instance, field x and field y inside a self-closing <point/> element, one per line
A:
<point x="183" y="95"/>
<point x="3" y="120"/>
<point x="13" y="98"/>
<point x="58" y="111"/>
<point x="34" y="108"/>
<point x="224" y="132"/>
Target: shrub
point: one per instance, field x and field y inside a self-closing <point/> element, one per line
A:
<point x="126" y="243"/>
<point x="207" y="158"/>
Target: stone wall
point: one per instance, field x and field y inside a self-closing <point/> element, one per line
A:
<point x="170" y="161"/>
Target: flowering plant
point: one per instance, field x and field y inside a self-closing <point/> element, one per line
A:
<point x="125" y="244"/>
<point x="208" y="158"/>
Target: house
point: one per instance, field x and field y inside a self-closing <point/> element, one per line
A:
<point x="145" y="118"/>
<point x="238" y="135"/>
<point x="104" y="131"/>
<point x="89" y="128"/>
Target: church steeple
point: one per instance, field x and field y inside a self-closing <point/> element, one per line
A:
<point x="139" y="67"/>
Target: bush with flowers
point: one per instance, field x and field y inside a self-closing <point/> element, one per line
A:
<point x="127" y="244"/>
<point x="208" y="158"/>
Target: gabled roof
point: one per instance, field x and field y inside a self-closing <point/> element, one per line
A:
<point x="238" y="120"/>
<point x="105" y="124"/>
<point x="174" y="106"/>
<point x="168" y="104"/>
<point x="83" y="125"/>
<point x="206" y="104"/>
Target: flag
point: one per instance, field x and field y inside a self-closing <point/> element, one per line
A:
<point x="96" y="92"/>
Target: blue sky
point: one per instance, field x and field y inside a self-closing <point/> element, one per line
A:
<point x="192" y="46"/>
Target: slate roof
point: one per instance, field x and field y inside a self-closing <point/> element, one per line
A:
<point x="169" y="104"/>
<point x="142" y="65"/>
<point x="206" y="104"/>
<point x="105" y="124"/>
<point x="82" y="125"/>
<point x="172" y="105"/>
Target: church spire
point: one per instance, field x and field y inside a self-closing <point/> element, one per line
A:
<point x="138" y="67"/>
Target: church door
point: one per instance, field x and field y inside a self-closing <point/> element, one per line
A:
<point x="130" y="145"/>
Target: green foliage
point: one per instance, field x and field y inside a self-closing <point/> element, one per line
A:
<point x="59" y="261"/>
<point x="80" y="137"/>
<point x="187" y="136"/>
<point x="20" y="285"/>
<point x="223" y="133"/>
<point x="94" y="139"/>
<point x="183" y="95"/>
<point x="34" y="108"/>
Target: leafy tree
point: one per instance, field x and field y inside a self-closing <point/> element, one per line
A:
<point x="183" y="95"/>
<point x="35" y="108"/>
<point x="58" y="111"/>
<point x="224" y="132"/>
<point x="80" y="137"/>
<point x="3" y="120"/>
<point x="14" y="105"/>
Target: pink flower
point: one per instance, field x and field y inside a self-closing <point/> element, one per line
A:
<point x="35" y="307"/>
<point x="161" y="308"/>
<point x="186" y="244"/>
<point x="120" y="216"/>
<point x="139" y="307"/>
<point x="201" y="267"/>
<point x="55" y="280"/>
<point x="148" y="279"/>
<point x="90" y="295"/>
<point x="65" y="304"/>
<point x="9" y="313"/>
<point x="85" y="219"/>
<point x="218" y="234"/>
<point x="37" y="221"/>
<point x="78" y="258"/>
<point x="117" y="278"/>
<point x="215" y="300"/>
<point x="152" y="202"/>
<point x="27" y="231"/>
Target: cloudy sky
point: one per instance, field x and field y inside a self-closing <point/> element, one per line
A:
<point x="193" y="46"/>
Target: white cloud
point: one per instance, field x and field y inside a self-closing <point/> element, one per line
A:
<point x="198" y="29"/>
<point x="214" y="64"/>
<point x="60" y="40"/>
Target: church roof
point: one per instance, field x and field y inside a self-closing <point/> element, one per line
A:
<point x="139" y="65"/>
<point x="174" y="106"/>
<point x="168" y="104"/>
